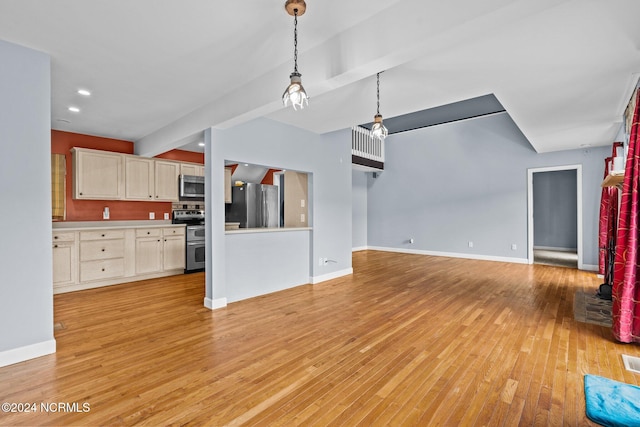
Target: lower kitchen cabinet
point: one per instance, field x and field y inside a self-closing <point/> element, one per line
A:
<point x="90" y="258"/>
<point x="65" y="259"/>
<point x="173" y="249"/>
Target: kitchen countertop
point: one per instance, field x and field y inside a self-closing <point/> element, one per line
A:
<point x="266" y="230"/>
<point x="87" y="225"/>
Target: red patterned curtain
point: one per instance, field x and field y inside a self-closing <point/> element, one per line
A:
<point x="626" y="272"/>
<point x="608" y="219"/>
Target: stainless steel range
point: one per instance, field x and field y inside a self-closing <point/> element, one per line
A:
<point x="195" y="245"/>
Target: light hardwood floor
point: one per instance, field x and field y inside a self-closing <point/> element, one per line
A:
<point x="405" y="340"/>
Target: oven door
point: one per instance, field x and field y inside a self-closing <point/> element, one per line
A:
<point x="195" y="256"/>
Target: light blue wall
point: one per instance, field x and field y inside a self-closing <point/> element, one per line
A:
<point x="359" y="209"/>
<point x="26" y="289"/>
<point x="327" y="160"/>
<point x="555" y="209"/>
<point x="467" y="181"/>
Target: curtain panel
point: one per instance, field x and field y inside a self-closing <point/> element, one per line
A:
<point x="626" y="272"/>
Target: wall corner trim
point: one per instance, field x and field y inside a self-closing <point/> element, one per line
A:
<point x="216" y="303"/>
<point x="20" y="354"/>
<point x="317" y="279"/>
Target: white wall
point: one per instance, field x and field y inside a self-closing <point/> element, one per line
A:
<point x="26" y="288"/>
<point x="327" y="160"/>
<point x="467" y="181"/>
<point x="359" y="210"/>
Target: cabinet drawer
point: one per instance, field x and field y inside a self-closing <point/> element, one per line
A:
<point x="102" y="234"/>
<point x="148" y="232"/>
<point x="94" y="250"/>
<point x="63" y="236"/>
<point x="173" y="231"/>
<point x="102" y="269"/>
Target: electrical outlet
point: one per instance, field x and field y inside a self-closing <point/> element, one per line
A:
<point x="470" y="244"/>
<point x="321" y="261"/>
<point x="514" y="247"/>
<point x="302" y="218"/>
<point x="152" y="215"/>
<point x="105" y="213"/>
<point x="411" y="241"/>
<point x="325" y="261"/>
<point x="166" y="215"/>
<point x="302" y="203"/>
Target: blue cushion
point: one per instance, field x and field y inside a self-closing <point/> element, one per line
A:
<point x="612" y="403"/>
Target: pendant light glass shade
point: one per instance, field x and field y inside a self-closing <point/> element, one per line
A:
<point x="295" y="94"/>
<point x="378" y="130"/>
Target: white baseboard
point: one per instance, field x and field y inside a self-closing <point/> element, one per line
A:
<point x="317" y="279"/>
<point x="452" y="255"/>
<point x="359" y="248"/>
<point x="216" y="303"/>
<point x="551" y="248"/>
<point x="20" y="354"/>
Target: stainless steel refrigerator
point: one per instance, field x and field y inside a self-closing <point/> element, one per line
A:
<point x="254" y="206"/>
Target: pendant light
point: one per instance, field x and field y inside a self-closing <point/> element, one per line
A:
<point x="378" y="130"/>
<point x="295" y="93"/>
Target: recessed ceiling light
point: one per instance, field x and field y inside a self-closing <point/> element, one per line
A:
<point x="201" y="144"/>
<point x="74" y="109"/>
<point x="84" y="92"/>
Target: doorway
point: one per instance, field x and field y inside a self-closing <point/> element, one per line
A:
<point x="555" y="216"/>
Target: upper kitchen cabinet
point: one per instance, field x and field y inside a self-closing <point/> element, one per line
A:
<point x="140" y="178"/>
<point x="166" y="180"/>
<point x="98" y="175"/>
<point x="191" y="169"/>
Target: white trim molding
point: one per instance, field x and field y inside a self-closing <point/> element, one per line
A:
<point x="451" y="254"/>
<point x="20" y="354"/>
<point x="530" y="172"/>
<point x="216" y="303"/>
<point x="359" y="248"/>
<point x="341" y="273"/>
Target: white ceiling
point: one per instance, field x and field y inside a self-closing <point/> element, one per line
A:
<point x="161" y="71"/>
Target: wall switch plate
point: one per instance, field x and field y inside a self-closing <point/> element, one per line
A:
<point x="302" y="218"/>
<point x="152" y="215"/>
<point x="105" y="213"/>
<point x="470" y="244"/>
<point x="302" y="203"/>
<point x="166" y="215"/>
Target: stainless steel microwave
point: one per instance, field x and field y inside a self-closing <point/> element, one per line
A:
<point x="191" y="187"/>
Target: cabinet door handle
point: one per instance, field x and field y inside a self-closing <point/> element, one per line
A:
<point x="148" y="232"/>
<point x="159" y="240"/>
<point x="150" y="196"/>
<point x="55" y="237"/>
<point x="103" y="269"/>
<point x="55" y="246"/>
<point x="103" y="235"/>
<point x="102" y="249"/>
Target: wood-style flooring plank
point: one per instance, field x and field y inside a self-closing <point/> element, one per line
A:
<point x="406" y="340"/>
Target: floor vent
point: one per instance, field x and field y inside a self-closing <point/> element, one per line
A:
<point x="631" y="363"/>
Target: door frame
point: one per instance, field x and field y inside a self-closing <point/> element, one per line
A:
<point x="530" y="172"/>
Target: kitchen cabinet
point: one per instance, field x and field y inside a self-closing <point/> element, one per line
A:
<point x="97" y="175"/>
<point x="191" y="169"/>
<point x="227" y="185"/>
<point x="102" y="254"/>
<point x="148" y="250"/>
<point x="95" y="256"/>
<point x="159" y="250"/>
<point x="166" y="181"/>
<point x="65" y="259"/>
<point x="139" y="178"/>
<point x="173" y="249"/>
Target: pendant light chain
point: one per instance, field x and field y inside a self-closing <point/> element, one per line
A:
<point x="295" y="40"/>
<point x="378" y="94"/>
